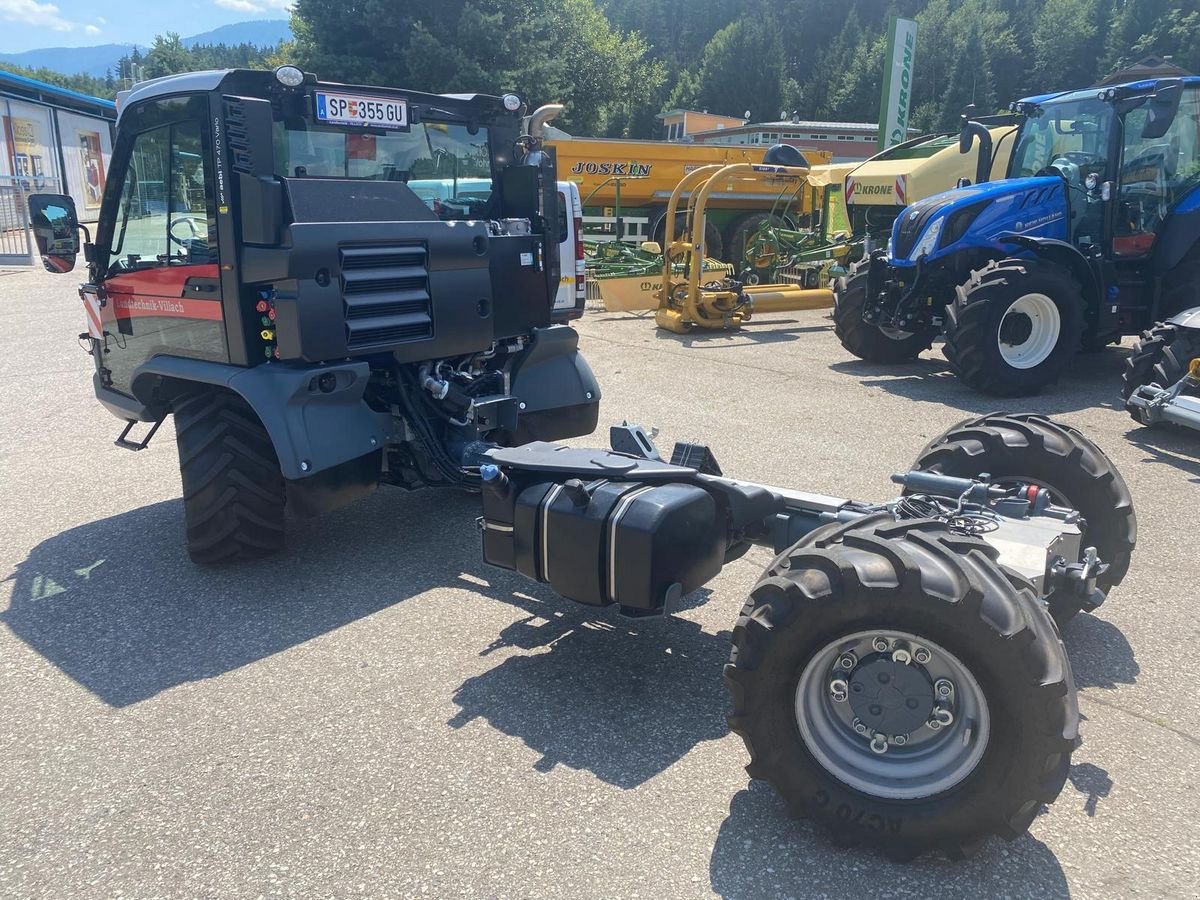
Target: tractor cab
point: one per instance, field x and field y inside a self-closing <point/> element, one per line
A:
<point x="1094" y="234"/>
<point x="1128" y="155"/>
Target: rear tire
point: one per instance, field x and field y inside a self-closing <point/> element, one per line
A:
<point x="1055" y="456"/>
<point x="1014" y="326"/>
<point x="1161" y="357"/>
<point x="233" y="490"/>
<point x="1014" y="705"/>
<point x="866" y="341"/>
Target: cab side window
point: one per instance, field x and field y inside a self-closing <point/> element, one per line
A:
<point x="1155" y="174"/>
<point x="165" y="217"/>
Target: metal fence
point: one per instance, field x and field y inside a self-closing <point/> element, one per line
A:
<point x="16" y="239"/>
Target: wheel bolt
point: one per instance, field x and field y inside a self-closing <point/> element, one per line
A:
<point x="879" y="744"/>
<point x="837" y="690"/>
<point x="859" y="727"/>
<point x="848" y="661"/>
<point x="901" y="657"/>
<point x="880" y="644"/>
<point x="944" y="687"/>
<point x="934" y="725"/>
<point x="900" y="740"/>
<point x="922" y="655"/>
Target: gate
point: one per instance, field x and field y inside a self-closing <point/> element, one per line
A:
<point x="16" y="238"/>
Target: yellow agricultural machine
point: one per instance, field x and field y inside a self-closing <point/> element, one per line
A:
<point x="686" y="299"/>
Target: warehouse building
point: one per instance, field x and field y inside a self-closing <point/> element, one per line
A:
<point x="53" y="140"/>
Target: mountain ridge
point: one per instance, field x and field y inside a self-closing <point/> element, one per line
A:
<point x="98" y="59"/>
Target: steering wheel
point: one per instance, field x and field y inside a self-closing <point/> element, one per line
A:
<point x="193" y="231"/>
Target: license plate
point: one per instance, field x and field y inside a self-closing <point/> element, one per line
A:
<point x="355" y="109"/>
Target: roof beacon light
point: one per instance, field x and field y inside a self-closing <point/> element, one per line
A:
<point x="511" y="102"/>
<point x="290" y="76"/>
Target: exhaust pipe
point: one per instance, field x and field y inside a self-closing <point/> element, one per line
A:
<point x="543" y="116"/>
<point x="971" y="130"/>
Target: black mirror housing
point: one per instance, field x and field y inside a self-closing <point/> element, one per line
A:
<point x="1163" y="107"/>
<point x="56" y="230"/>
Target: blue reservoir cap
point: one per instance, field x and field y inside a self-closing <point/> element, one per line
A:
<point x="489" y="472"/>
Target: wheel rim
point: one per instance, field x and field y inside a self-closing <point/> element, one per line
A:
<point x="850" y="686"/>
<point x="1029" y="331"/>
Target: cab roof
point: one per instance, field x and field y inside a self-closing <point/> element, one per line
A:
<point x="212" y="79"/>
<point x="1089" y="92"/>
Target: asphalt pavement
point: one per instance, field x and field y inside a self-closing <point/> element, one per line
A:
<point x="375" y="713"/>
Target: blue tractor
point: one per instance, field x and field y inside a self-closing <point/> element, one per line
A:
<point x="1094" y="234"/>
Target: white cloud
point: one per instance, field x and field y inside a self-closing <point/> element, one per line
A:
<point x="91" y="29"/>
<point x="254" y="6"/>
<point x="30" y="12"/>
<point x="102" y="20"/>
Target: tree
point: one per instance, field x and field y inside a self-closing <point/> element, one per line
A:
<point x="547" y="50"/>
<point x="741" y="68"/>
<point x="970" y="82"/>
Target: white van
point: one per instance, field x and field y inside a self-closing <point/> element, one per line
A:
<point x="572" y="288"/>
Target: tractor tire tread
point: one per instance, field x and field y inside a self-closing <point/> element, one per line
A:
<point x="233" y="490"/>
<point x="878" y="567"/>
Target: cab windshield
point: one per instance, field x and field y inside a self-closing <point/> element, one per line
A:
<point x="1073" y="130"/>
<point x="447" y="165"/>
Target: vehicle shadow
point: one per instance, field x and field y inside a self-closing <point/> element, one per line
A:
<point x="621" y="698"/>
<point x="1093" y="380"/>
<point x="118" y="607"/>
<point x="1170" y="446"/>
<point x="1100" y="654"/>
<point x="761" y="853"/>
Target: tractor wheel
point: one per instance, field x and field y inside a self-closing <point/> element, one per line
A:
<point x="1181" y="290"/>
<point x="742" y="234"/>
<point x="866" y="341"/>
<point x="1014" y="326"/>
<point x="1161" y="357"/>
<point x="1036" y="450"/>
<point x="896" y="686"/>
<point x="233" y="490"/>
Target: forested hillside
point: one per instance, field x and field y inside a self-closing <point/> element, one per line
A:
<point x="619" y="62"/>
<point x="824" y="60"/>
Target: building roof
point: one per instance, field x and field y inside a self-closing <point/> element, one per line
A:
<point x="804" y="125"/>
<point x="40" y="91"/>
<point x="1150" y="67"/>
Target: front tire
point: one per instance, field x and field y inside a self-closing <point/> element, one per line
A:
<point x="233" y="490"/>
<point x="1014" y="326"/>
<point x="1035" y="449"/>
<point x="1003" y="750"/>
<point x="866" y="341"/>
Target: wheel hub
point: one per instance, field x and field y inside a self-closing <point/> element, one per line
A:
<point x="890" y="697"/>
<point x="892" y="714"/>
<point x="1016" y="328"/>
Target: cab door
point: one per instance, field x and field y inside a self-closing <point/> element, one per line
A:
<point x="1154" y="176"/>
<point x="161" y="280"/>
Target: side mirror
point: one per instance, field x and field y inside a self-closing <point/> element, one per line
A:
<point x="56" y="230"/>
<point x="963" y="182"/>
<point x="654" y="248"/>
<point x="1163" y="107"/>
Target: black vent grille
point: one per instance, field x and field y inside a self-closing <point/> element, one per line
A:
<point x="385" y="295"/>
<point x="237" y="136"/>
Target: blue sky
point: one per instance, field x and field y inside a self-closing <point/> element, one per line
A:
<point x="29" y="24"/>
